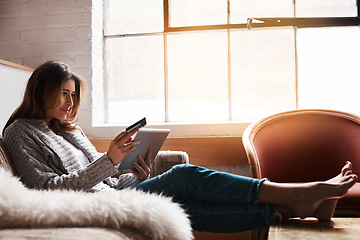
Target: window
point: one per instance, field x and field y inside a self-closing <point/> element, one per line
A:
<point x="229" y="60"/>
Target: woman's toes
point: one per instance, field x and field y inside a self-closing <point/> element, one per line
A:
<point x="348" y="182"/>
<point x="347" y="169"/>
<point x="349" y="172"/>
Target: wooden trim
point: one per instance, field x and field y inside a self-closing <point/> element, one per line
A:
<point x="15" y="65"/>
<point x="202" y="151"/>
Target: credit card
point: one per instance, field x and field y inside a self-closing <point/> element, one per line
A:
<point x="138" y="124"/>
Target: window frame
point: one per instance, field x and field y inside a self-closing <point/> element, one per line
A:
<point x="229" y="127"/>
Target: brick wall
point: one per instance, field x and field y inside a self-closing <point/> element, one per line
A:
<point x="34" y="31"/>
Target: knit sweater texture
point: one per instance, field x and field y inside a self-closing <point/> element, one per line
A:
<point x="43" y="161"/>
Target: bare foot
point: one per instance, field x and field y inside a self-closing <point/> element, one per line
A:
<point x="326" y="209"/>
<point x="346" y="170"/>
<point x="311" y="195"/>
<point x="304" y="199"/>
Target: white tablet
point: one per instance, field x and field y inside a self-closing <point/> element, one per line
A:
<point x="149" y="138"/>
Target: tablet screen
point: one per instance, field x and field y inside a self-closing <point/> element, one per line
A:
<point x="149" y="138"/>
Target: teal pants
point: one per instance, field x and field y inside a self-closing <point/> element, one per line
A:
<point x="215" y="201"/>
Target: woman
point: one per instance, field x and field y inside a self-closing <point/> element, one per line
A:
<point x="49" y="151"/>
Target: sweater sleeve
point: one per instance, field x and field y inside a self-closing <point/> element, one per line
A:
<point x="126" y="180"/>
<point x="123" y="181"/>
<point x="39" y="167"/>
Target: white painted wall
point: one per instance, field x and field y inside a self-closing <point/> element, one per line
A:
<point x="12" y="86"/>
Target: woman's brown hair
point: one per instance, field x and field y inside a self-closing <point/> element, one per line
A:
<point x="42" y="92"/>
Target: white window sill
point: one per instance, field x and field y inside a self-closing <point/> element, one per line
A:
<point x="180" y="129"/>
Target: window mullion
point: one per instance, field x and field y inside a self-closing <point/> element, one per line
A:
<point x="229" y="63"/>
<point x="166" y="15"/>
<point x="166" y="75"/>
<point x="296" y="61"/>
<point x="166" y="79"/>
<point x="106" y="84"/>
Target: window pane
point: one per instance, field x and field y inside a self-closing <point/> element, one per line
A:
<point x="263" y="72"/>
<point x="129" y="16"/>
<point x="198" y="82"/>
<point x="135" y="79"/>
<point x="243" y="9"/>
<point x="197" y="12"/>
<point x="329" y="73"/>
<point x="326" y="8"/>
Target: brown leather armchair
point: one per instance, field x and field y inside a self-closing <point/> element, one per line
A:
<point x="306" y="145"/>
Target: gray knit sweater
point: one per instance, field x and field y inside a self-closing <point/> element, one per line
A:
<point x="43" y="161"/>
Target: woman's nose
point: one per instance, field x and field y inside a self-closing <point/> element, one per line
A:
<point x="70" y="101"/>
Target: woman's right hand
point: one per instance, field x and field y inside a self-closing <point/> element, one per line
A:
<point x="121" y="146"/>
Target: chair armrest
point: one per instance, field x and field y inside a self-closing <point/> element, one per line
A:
<point x="165" y="160"/>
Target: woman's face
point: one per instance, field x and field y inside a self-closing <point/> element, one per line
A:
<point x="65" y="102"/>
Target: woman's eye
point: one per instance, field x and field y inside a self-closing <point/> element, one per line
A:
<point x="73" y="95"/>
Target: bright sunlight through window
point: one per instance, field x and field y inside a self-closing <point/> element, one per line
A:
<point x="205" y="61"/>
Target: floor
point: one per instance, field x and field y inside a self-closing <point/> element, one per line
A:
<point x="338" y="228"/>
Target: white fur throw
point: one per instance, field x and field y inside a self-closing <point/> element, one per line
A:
<point x="155" y="216"/>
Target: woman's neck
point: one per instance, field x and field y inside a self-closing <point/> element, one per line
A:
<point x="53" y="125"/>
<point x="48" y="121"/>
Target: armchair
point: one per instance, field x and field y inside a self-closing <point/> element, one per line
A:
<point x="306" y="145"/>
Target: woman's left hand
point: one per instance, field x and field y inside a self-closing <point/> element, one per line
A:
<point x="142" y="171"/>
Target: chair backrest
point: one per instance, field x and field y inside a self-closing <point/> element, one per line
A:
<point x="303" y="145"/>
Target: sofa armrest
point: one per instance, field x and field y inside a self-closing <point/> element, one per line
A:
<point x="165" y="160"/>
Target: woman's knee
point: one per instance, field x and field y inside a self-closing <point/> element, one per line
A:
<point x="178" y="175"/>
<point x="186" y="172"/>
<point x="184" y="169"/>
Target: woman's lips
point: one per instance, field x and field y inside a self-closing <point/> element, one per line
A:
<point x="65" y="110"/>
